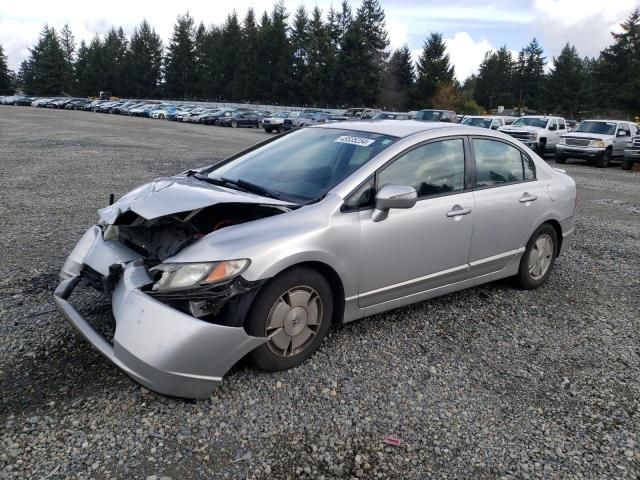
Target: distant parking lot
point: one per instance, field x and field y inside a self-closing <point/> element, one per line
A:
<point x="491" y="382"/>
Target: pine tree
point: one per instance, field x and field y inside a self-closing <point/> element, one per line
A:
<point x="114" y="63"/>
<point x="43" y="72"/>
<point x="299" y="39"/>
<point x="321" y="60"/>
<point x="145" y="61"/>
<point x="5" y="75"/>
<point x="180" y="59"/>
<point x="279" y="56"/>
<point x="80" y="69"/>
<point x="529" y="76"/>
<point x="493" y="84"/>
<point x="201" y="75"/>
<point x="618" y="69"/>
<point x="566" y="83"/>
<point x="244" y="77"/>
<point x="433" y="69"/>
<point x="68" y="43"/>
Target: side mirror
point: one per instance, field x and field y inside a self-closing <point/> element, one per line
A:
<point x="622" y="133"/>
<point x="393" y="196"/>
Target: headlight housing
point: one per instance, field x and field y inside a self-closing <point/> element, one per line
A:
<point x="598" y="143"/>
<point x="185" y="276"/>
<point x="533" y="136"/>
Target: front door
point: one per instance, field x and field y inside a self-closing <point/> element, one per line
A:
<point x="507" y="204"/>
<point x="426" y="246"/>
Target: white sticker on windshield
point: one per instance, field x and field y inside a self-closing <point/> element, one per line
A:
<point x="360" y="141"/>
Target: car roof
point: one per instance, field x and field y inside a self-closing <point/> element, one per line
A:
<point x="396" y="128"/>
<point x="605" y="120"/>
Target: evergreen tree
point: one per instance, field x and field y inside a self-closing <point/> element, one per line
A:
<point x="200" y="50"/>
<point x="68" y="44"/>
<point x="43" y="72"/>
<point x="493" y="84"/>
<point x="5" y="75"/>
<point x="529" y="76"/>
<point x="299" y="39"/>
<point x="434" y="69"/>
<point x="279" y="55"/>
<point x="94" y="71"/>
<point x="321" y="60"/>
<point x="180" y="59"/>
<point x="114" y="63"/>
<point x="566" y="83"/>
<point x="247" y="59"/>
<point x="398" y="80"/>
<point x="617" y="70"/>
<point x="80" y="69"/>
<point x="231" y="40"/>
<point x="145" y="61"/>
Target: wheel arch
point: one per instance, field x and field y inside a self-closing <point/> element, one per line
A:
<point x="557" y="227"/>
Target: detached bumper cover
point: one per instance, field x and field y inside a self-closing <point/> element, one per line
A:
<point x="162" y="348"/>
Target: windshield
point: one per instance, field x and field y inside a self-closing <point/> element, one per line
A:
<point x="304" y="165"/>
<point x="433" y="115"/>
<point x="602" y="128"/>
<point x="282" y="115"/>
<point x="477" y="122"/>
<point x="530" y="122"/>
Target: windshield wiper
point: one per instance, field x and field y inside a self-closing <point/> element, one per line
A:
<point x="252" y="187"/>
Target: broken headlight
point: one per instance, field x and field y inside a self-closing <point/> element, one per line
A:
<point x="183" y="276"/>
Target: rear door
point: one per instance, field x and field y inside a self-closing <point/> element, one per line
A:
<point x="508" y="200"/>
<point x="619" y="141"/>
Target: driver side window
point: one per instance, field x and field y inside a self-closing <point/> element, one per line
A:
<point x="435" y="168"/>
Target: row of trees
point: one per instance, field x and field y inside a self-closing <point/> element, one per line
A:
<point x="338" y="58"/>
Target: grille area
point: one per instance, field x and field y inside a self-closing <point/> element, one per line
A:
<point x="577" y="142"/>
<point x="636" y="142"/>
<point x="520" y="135"/>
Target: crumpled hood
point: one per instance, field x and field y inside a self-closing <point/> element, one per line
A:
<point x="165" y="196"/>
<point x="589" y="136"/>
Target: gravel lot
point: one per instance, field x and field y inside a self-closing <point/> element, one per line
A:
<point x="490" y="383"/>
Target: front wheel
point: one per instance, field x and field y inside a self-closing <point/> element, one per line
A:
<point x="604" y="160"/>
<point x="294" y="313"/>
<point x="538" y="258"/>
<point x="561" y="159"/>
<point x="234" y="124"/>
<point x="542" y="147"/>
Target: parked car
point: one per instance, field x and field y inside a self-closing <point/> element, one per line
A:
<point x="355" y="114"/>
<point x="275" y="122"/>
<point x="429" y="115"/>
<point x="596" y="141"/>
<point x="392" y="116"/>
<point x="538" y="132"/>
<point x="162" y="111"/>
<point x="260" y="254"/>
<point x="305" y="119"/>
<point x="198" y="115"/>
<point x="241" y="119"/>
<point x="631" y="154"/>
<point x="24" y="101"/>
<point x="485" y="121"/>
<point x="213" y="118"/>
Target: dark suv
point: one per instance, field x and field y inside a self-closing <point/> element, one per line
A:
<point x="436" y="116"/>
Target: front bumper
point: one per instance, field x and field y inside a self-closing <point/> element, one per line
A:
<point x="158" y="346"/>
<point x="633" y="155"/>
<point x="579" y="152"/>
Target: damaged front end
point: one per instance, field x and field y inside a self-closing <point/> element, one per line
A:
<point x="178" y="327"/>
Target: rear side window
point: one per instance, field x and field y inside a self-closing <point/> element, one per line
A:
<point x="433" y="169"/>
<point x="498" y="163"/>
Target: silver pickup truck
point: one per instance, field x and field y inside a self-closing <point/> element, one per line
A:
<point x="631" y="153"/>
<point x="597" y="141"/>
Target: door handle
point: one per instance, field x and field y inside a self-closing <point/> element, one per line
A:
<point x="528" y="198"/>
<point x="458" y="210"/>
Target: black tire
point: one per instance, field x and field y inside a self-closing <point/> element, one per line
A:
<point x="272" y="295"/>
<point x="604" y="160"/>
<point x="627" y="164"/>
<point x="542" y="148"/>
<point x="561" y="159"/>
<point x="268" y="130"/>
<point x="278" y="130"/>
<point x="525" y="279"/>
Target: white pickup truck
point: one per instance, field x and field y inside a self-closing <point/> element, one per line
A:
<point x="540" y="133"/>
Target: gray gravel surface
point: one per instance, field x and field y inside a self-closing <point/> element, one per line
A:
<point x="493" y="382"/>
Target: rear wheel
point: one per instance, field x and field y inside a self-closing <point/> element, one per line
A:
<point x="234" y="124"/>
<point x="604" y="160"/>
<point x="294" y="313"/>
<point x="538" y="258"/>
<point x="627" y="164"/>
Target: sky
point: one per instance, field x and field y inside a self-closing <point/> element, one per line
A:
<point x="469" y="27"/>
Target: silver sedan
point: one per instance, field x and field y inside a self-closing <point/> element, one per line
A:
<point x="261" y="253"/>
